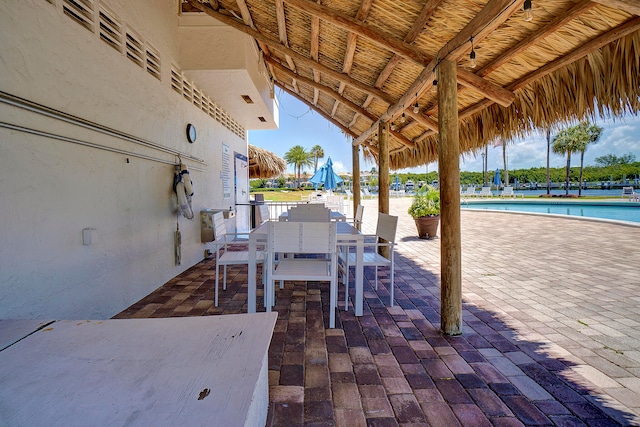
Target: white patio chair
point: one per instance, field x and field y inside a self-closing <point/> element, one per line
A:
<point x="385" y="237"/>
<point x="630" y="193"/>
<point x="469" y="192"/>
<point x="356" y="221"/>
<point x="302" y="238"/>
<point x="485" y="192"/>
<point x="508" y="192"/>
<point x="229" y="251"/>
<point x="310" y="213"/>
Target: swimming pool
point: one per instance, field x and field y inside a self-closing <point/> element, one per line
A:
<point x="618" y="211"/>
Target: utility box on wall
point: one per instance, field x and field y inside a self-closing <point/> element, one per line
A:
<point x="207" y="228"/>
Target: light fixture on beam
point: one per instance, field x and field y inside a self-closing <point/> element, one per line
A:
<point x="472" y="56"/>
<point x="528" y="10"/>
<point x="416" y="107"/>
<point x="403" y="118"/>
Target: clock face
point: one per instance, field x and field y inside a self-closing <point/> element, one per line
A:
<point x="191" y="133"/>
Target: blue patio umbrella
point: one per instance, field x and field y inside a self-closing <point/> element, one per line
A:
<point x="326" y="176"/>
<point x="496" y="179"/>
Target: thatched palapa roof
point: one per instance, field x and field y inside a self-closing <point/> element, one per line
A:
<point x="358" y="63"/>
<point x="264" y="164"/>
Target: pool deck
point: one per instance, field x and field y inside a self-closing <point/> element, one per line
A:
<point x="551" y="330"/>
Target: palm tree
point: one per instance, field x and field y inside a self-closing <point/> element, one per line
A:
<point x="299" y="158"/>
<point x="593" y="133"/>
<point x="317" y="152"/>
<point x="572" y="140"/>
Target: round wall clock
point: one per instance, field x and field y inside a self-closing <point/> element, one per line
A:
<point x="191" y="133"/>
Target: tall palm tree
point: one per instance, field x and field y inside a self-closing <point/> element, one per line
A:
<point x="593" y="133"/>
<point x="573" y="140"/>
<point x="299" y="158"/>
<point x="317" y="152"/>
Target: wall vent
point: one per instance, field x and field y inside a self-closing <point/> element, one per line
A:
<point x="186" y="90"/>
<point x="153" y="61"/>
<point x="134" y="48"/>
<point x="247" y="99"/>
<point x="176" y="80"/>
<point x="80" y="11"/>
<point x="197" y="97"/>
<point x="110" y="29"/>
<point x="262" y="119"/>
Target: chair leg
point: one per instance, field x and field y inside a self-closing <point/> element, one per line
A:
<point x="217" y="274"/>
<point x="332" y="303"/>
<point x="224" y="282"/>
<point x="376" y="277"/>
<point x="392" y="284"/>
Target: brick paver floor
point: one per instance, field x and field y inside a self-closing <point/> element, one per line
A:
<point x="551" y="330"/>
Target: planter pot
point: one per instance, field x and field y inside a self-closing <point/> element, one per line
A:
<point x="427" y="226"/>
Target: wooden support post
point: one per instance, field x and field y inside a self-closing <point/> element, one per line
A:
<point x="383" y="175"/>
<point x="449" y="175"/>
<point x="355" y="163"/>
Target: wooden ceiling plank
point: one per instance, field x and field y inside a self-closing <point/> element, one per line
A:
<point x="426" y="12"/>
<point x="282" y="22"/>
<point x="630" y="6"/>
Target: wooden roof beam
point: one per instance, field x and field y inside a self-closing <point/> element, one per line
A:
<point x="494" y="13"/>
<point x="291" y="54"/>
<point x="362" y="29"/>
<point x="315" y="52"/>
<point x="331" y="92"/>
<point x="623" y="30"/>
<point x="571" y="14"/>
<point x="630" y="6"/>
<point x="325" y="116"/>
<point x="426" y="12"/>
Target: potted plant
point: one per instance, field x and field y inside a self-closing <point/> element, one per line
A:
<point x="425" y="211"/>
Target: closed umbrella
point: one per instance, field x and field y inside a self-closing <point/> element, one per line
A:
<point x="326" y="176"/>
<point x="496" y="179"/>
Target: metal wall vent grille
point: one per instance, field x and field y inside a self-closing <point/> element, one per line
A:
<point x="80" y="11"/>
<point x="110" y="29"/>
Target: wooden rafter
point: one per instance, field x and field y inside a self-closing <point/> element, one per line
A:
<point x="571" y="14"/>
<point x="362" y="29"/>
<point x="331" y="92"/>
<point x="315" y="51"/>
<point x="494" y="13"/>
<point x="597" y="43"/>
<point x="411" y="36"/>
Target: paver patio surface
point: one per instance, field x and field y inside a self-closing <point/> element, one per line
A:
<point x="551" y="330"/>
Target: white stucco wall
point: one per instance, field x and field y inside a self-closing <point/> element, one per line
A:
<point x="51" y="190"/>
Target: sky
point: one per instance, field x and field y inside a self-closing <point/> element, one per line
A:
<point x="299" y="125"/>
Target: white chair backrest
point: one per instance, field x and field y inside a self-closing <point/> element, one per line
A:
<point x="507" y="190"/>
<point x="387" y="226"/>
<point x="486" y="189"/>
<point x="302" y="237"/>
<point x="627" y="191"/>
<point x="309" y="213"/>
<point x="219" y="226"/>
<point x="263" y="212"/>
<point x="357" y="219"/>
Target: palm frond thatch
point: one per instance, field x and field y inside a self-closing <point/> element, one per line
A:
<point x="264" y="164"/>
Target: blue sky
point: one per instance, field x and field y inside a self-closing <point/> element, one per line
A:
<point x="301" y="126"/>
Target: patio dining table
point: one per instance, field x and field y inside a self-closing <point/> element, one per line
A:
<point x="347" y="235"/>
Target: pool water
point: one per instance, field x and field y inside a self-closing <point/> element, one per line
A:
<point x="619" y="211"/>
